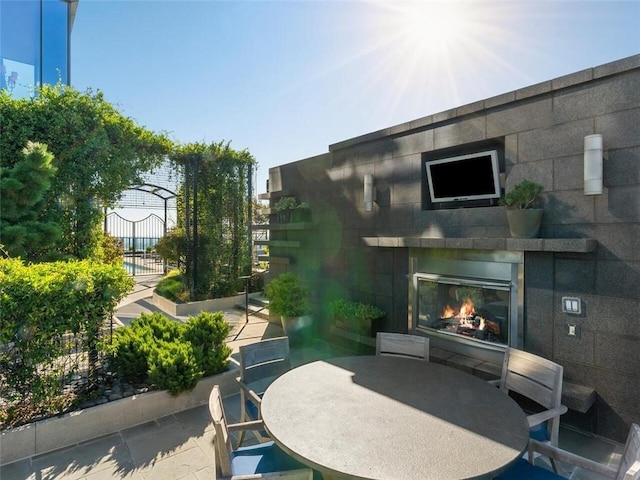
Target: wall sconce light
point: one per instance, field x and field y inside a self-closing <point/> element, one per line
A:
<point x="593" y="164"/>
<point x="369" y="193"/>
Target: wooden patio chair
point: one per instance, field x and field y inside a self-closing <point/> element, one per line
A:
<point x="260" y="364"/>
<point x="628" y="468"/>
<point x="402" y="345"/>
<point x="539" y="380"/>
<point x="261" y="461"/>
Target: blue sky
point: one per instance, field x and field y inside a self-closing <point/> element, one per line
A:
<point x="285" y="79"/>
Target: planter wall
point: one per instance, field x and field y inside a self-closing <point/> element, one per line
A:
<point x="75" y="427"/>
<point x="194" y="308"/>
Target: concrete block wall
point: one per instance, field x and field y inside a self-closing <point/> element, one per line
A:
<point x="541" y="130"/>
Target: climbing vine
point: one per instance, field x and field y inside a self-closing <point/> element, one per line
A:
<point x="213" y="217"/>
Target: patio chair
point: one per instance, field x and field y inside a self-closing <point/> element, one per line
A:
<point x="260" y="364"/>
<point x="264" y="460"/>
<point x="539" y="380"/>
<point x="628" y="468"/>
<point x="402" y="345"/>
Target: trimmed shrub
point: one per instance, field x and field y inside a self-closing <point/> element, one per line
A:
<point x="173" y="366"/>
<point x="173" y="355"/>
<point x="207" y="333"/>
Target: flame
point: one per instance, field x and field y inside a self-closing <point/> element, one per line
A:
<point x="448" y="312"/>
<point x="466" y="310"/>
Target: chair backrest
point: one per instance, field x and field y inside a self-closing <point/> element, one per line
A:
<point x="537" y="378"/>
<point x="222" y="439"/>
<point x="267" y="358"/>
<point x="300" y="474"/>
<point x="629" y="468"/>
<point x="402" y="345"/>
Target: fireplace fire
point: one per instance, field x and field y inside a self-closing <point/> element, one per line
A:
<point x="473" y="309"/>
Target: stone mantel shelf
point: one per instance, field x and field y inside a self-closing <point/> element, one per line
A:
<point x="568" y="245"/>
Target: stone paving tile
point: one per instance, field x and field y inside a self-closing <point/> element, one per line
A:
<point x="104" y="454"/>
<point x="182" y="463"/>
<point x="155" y="443"/>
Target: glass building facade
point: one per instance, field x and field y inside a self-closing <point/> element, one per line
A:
<point x="34" y="44"/>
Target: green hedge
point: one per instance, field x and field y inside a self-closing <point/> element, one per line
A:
<point x="173" y="355"/>
<point x="40" y="305"/>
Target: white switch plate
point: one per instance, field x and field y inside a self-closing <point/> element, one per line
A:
<point x="572" y="305"/>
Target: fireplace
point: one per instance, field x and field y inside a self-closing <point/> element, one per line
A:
<point x="467" y="296"/>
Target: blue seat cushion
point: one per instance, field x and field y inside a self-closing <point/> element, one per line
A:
<point x="539" y="432"/>
<point x="262" y="458"/>
<point x="524" y="470"/>
<point x="252" y="409"/>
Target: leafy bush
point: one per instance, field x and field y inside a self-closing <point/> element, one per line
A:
<point x="207" y="333"/>
<point x="173" y="355"/>
<point x="42" y="306"/>
<point x="288" y="297"/>
<point x="173" y="366"/>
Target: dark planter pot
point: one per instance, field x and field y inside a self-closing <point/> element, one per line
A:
<point x="298" y="329"/>
<point x="284" y="216"/>
<point x="524" y="223"/>
<point x="367" y="328"/>
<point x="301" y="215"/>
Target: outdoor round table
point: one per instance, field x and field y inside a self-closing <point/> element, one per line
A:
<point x="379" y="417"/>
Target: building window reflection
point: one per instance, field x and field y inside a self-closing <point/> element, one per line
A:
<point x="34" y="44"/>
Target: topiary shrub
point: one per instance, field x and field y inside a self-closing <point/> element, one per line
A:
<point x="173" y="355"/>
<point x="207" y="333"/>
<point x="173" y="366"/>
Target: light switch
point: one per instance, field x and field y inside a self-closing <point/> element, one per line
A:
<point x="571" y="305"/>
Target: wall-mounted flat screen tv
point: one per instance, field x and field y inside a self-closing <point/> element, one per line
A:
<point x="474" y="176"/>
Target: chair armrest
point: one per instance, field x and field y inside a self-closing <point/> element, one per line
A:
<point x="570" y="458"/>
<point x="300" y="474"/>
<point x="538" y="418"/>
<point x="253" y="396"/>
<point x="252" y="425"/>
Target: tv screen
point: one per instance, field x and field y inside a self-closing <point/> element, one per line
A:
<point x="474" y="176"/>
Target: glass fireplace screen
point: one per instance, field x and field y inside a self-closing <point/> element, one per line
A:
<point x="470" y="308"/>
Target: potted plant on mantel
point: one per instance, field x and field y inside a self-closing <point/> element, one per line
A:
<point x="523" y="214"/>
<point x="289" y="299"/>
<point x="360" y="318"/>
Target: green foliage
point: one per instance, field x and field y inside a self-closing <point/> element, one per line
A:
<point x="207" y="334"/>
<point x="173" y="246"/>
<point x="172" y="287"/>
<point x="286" y="203"/>
<point x="98" y="153"/>
<point x="173" y="355"/>
<point x="523" y="195"/>
<point x="288" y="297"/>
<point x="353" y="311"/>
<point x="173" y="366"/>
<point x="110" y="250"/>
<point x="221" y="175"/>
<point x="42" y="304"/>
<point x="361" y="318"/>
<point x="23" y="188"/>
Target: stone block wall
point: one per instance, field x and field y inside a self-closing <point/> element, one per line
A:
<point x="541" y="130"/>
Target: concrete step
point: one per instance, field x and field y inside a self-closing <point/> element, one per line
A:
<point x="258" y="306"/>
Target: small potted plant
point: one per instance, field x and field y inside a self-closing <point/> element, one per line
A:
<point x="360" y="318"/>
<point x="301" y="213"/>
<point x="290" y="299"/>
<point x="284" y="207"/>
<point x="523" y="212"/>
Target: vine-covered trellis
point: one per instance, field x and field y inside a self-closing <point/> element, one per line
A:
<point x="214" y="208"/>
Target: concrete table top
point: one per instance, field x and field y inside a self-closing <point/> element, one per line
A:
<point x="378" y="417"/>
